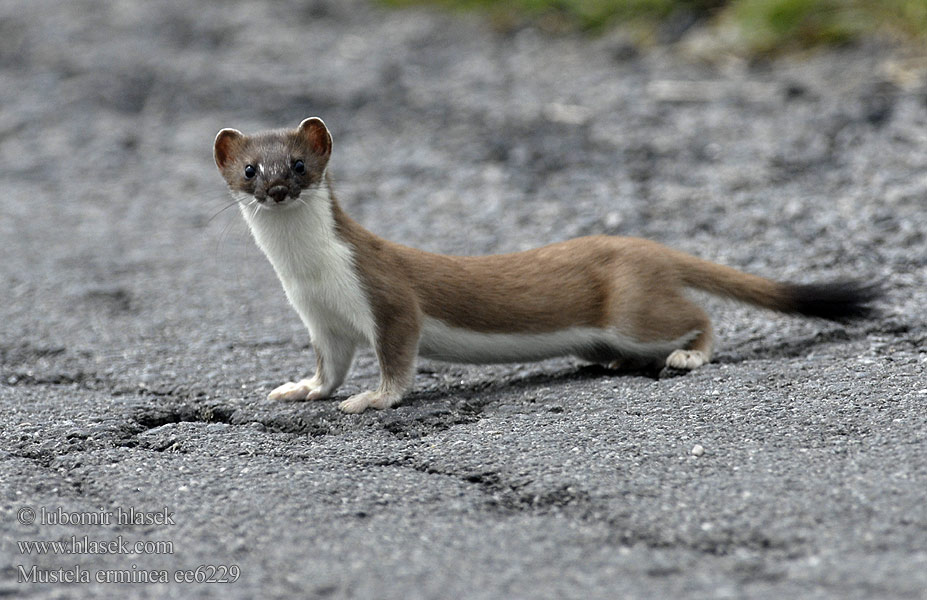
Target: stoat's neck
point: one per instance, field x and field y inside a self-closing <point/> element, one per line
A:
<point x="300" y="240"/>
<point x="315" y="263"/>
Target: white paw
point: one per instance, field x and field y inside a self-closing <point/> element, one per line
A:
<point x="307" y="389"/>
<point x="358" y="403"/>
<point x="686" y="359"/>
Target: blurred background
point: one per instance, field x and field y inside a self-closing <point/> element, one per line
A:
<point x="140" y="327"/>
<point x="749" y="27"/>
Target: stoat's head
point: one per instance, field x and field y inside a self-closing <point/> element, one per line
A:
<point x="273" y="168"/>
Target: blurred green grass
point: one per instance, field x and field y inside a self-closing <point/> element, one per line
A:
<point x="759" y="26"/>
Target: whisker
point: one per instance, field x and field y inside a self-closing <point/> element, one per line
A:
<point x="224" y="234"/>
<point x="220" y="211"/>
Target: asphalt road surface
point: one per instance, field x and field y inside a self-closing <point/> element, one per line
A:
<point x="141" y="329"/>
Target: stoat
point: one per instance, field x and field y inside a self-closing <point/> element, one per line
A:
<point x="613" y="300"/>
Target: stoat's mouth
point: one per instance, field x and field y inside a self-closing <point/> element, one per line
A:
<point x="253" y="205"/>
<point x="274" y="205"/>
<point x="278" y="196"/>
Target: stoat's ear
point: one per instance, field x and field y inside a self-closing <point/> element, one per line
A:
<point x="314" y="131"/>
<point x="226" y="144"/>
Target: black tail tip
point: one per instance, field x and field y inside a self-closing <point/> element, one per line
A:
<point x="836" y="300"/>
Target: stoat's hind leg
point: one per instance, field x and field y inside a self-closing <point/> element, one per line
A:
<point x="670" y="317"/>
<point x="698" y="351"/>
<point x="687" y="359"/>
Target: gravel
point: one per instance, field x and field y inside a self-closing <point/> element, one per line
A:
<point x="141" y="329"/>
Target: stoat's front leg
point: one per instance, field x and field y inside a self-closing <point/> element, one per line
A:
<point x="333" y="356"/>
<point x="294" y="391"/>
<point x="398" y="330"/>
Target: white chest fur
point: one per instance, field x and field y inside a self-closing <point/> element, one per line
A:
<point x="314" y="265"/>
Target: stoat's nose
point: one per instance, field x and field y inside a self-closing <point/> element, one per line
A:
<point x="278" y="193"/>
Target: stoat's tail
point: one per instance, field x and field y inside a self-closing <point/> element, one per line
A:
<point x="835" y="300"/>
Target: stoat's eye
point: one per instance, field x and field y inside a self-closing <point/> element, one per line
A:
<point x="299" y="167"/>
<point x="249" y="171"/>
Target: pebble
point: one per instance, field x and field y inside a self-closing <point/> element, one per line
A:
<point x="697" y="450"/>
